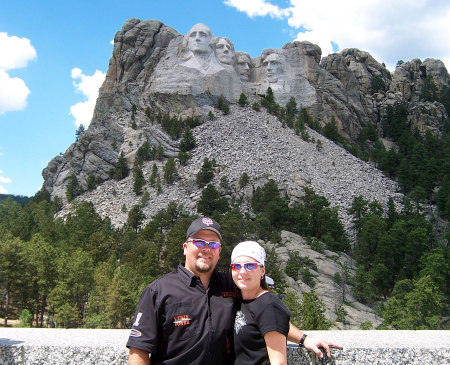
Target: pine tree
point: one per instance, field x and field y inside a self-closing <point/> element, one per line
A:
<point x="73" y="189"/>
<point x="135" y="217"/>
<point x="312" y="312"/>
<point x="159" y="155"/>
<point x="138" y="180"/>
<point x="206" y="173"/>
<point x="211" y="202"/>
<point x="187" y="142"/>
<point x="170" y="171"/>
<point x="242" y="100"/>
<point x="244" y="179"/>
<point x="153" y="175"/>
<point x="121" y="171"/>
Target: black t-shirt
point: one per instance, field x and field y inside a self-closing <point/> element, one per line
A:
<point x="179" y="322"/>
<point x="255" y="318"/>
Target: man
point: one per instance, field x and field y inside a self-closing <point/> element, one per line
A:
<point x="243" y="66"/>
<point x="198" y="44"/>
<point x="274" y="67"/>
<point x="187" y="316"/>
<point x="224" y="50"/>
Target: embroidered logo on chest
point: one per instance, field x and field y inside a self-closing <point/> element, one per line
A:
<point x="182" y="320"/>
<point x="239" y="322"/>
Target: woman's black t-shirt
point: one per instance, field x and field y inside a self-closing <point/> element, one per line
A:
<point x="253" y="320"/>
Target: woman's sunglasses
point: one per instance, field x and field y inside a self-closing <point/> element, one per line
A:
<point x="202" y="243"/>
<point x="247" y="266"/>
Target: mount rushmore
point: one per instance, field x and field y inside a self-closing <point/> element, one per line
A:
<point x="154" y="68"/>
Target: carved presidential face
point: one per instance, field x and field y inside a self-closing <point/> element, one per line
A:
<point x="243" y="63"/>
<point x="224" y="51"/>
<point x="274" y="67"/>
<point x="199" y="39"/>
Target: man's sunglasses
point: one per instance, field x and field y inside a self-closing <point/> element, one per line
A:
<point x="247" y="266"/>
<point x="202" y="243"/>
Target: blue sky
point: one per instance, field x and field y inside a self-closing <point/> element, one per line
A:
<point x="54" y="55"/>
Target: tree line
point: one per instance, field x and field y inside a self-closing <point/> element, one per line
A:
<point x="83" y="272"/>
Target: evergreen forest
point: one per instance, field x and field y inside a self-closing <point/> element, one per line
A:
<point x="84" y="272"/>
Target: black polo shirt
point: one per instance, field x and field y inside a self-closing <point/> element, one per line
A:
<point x="179" y="322"/>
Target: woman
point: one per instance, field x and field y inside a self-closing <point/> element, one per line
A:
<point x="262" y="323"/>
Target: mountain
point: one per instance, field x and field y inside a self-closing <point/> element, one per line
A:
<point x="159" y="81"/>
<point x="147" y="77"/>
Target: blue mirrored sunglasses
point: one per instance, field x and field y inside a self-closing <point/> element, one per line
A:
<point x="247" y="266"/>
<point x="201" y="243"/>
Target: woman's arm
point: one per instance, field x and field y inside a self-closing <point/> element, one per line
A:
<point x="276" y="347"/>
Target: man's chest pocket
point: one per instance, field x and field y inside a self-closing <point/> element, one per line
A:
<point x="181" y="322"/>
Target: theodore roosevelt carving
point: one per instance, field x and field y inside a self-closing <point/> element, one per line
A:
<point x="243" y="66"/>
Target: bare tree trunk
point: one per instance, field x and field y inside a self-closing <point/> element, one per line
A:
<point x="44" y="301"/>
<point x="8" y="288"/>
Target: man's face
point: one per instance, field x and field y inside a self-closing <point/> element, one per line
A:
<point x="243" y="67"/>
<point x="224" y="52"/>
<point x="201" y="260"/>
<point x="273" y="67"/>
<point x="199" y="39"/>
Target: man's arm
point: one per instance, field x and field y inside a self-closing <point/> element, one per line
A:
<point x="311" y="343"/>
<point x="138" y="357"/>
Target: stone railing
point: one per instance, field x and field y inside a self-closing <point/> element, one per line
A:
<point x="107" y="347"/>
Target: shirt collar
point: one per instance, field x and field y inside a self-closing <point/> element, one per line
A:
<point x="191" y="279"/>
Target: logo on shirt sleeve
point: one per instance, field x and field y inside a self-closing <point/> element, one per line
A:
<point x="182" y="320"/>
<point x="135" y="333"/>
<point x="138" y="318"/>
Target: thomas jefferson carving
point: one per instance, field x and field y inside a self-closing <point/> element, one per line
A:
<point x="224" y="50"/>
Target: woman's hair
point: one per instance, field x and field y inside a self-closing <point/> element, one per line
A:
<point x="263" y="283"/>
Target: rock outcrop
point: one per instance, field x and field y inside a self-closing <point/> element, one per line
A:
<point x="333" y="294"/>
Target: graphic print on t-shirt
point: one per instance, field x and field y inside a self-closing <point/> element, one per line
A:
<point x="239" y="322"/>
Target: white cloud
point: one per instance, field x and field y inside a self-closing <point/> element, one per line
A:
<point x="88" y="86"/>
<point x="258" y="8"/>
<point x="389" y="31"/>
<point x="13" y="93"/>
<point x="15" y="53"/>
<point x="4" y="180"/>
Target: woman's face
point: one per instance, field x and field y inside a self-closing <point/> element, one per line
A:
<point x="247" y="279"/>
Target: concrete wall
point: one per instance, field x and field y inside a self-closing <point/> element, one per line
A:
<point x="106" y="347"/>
